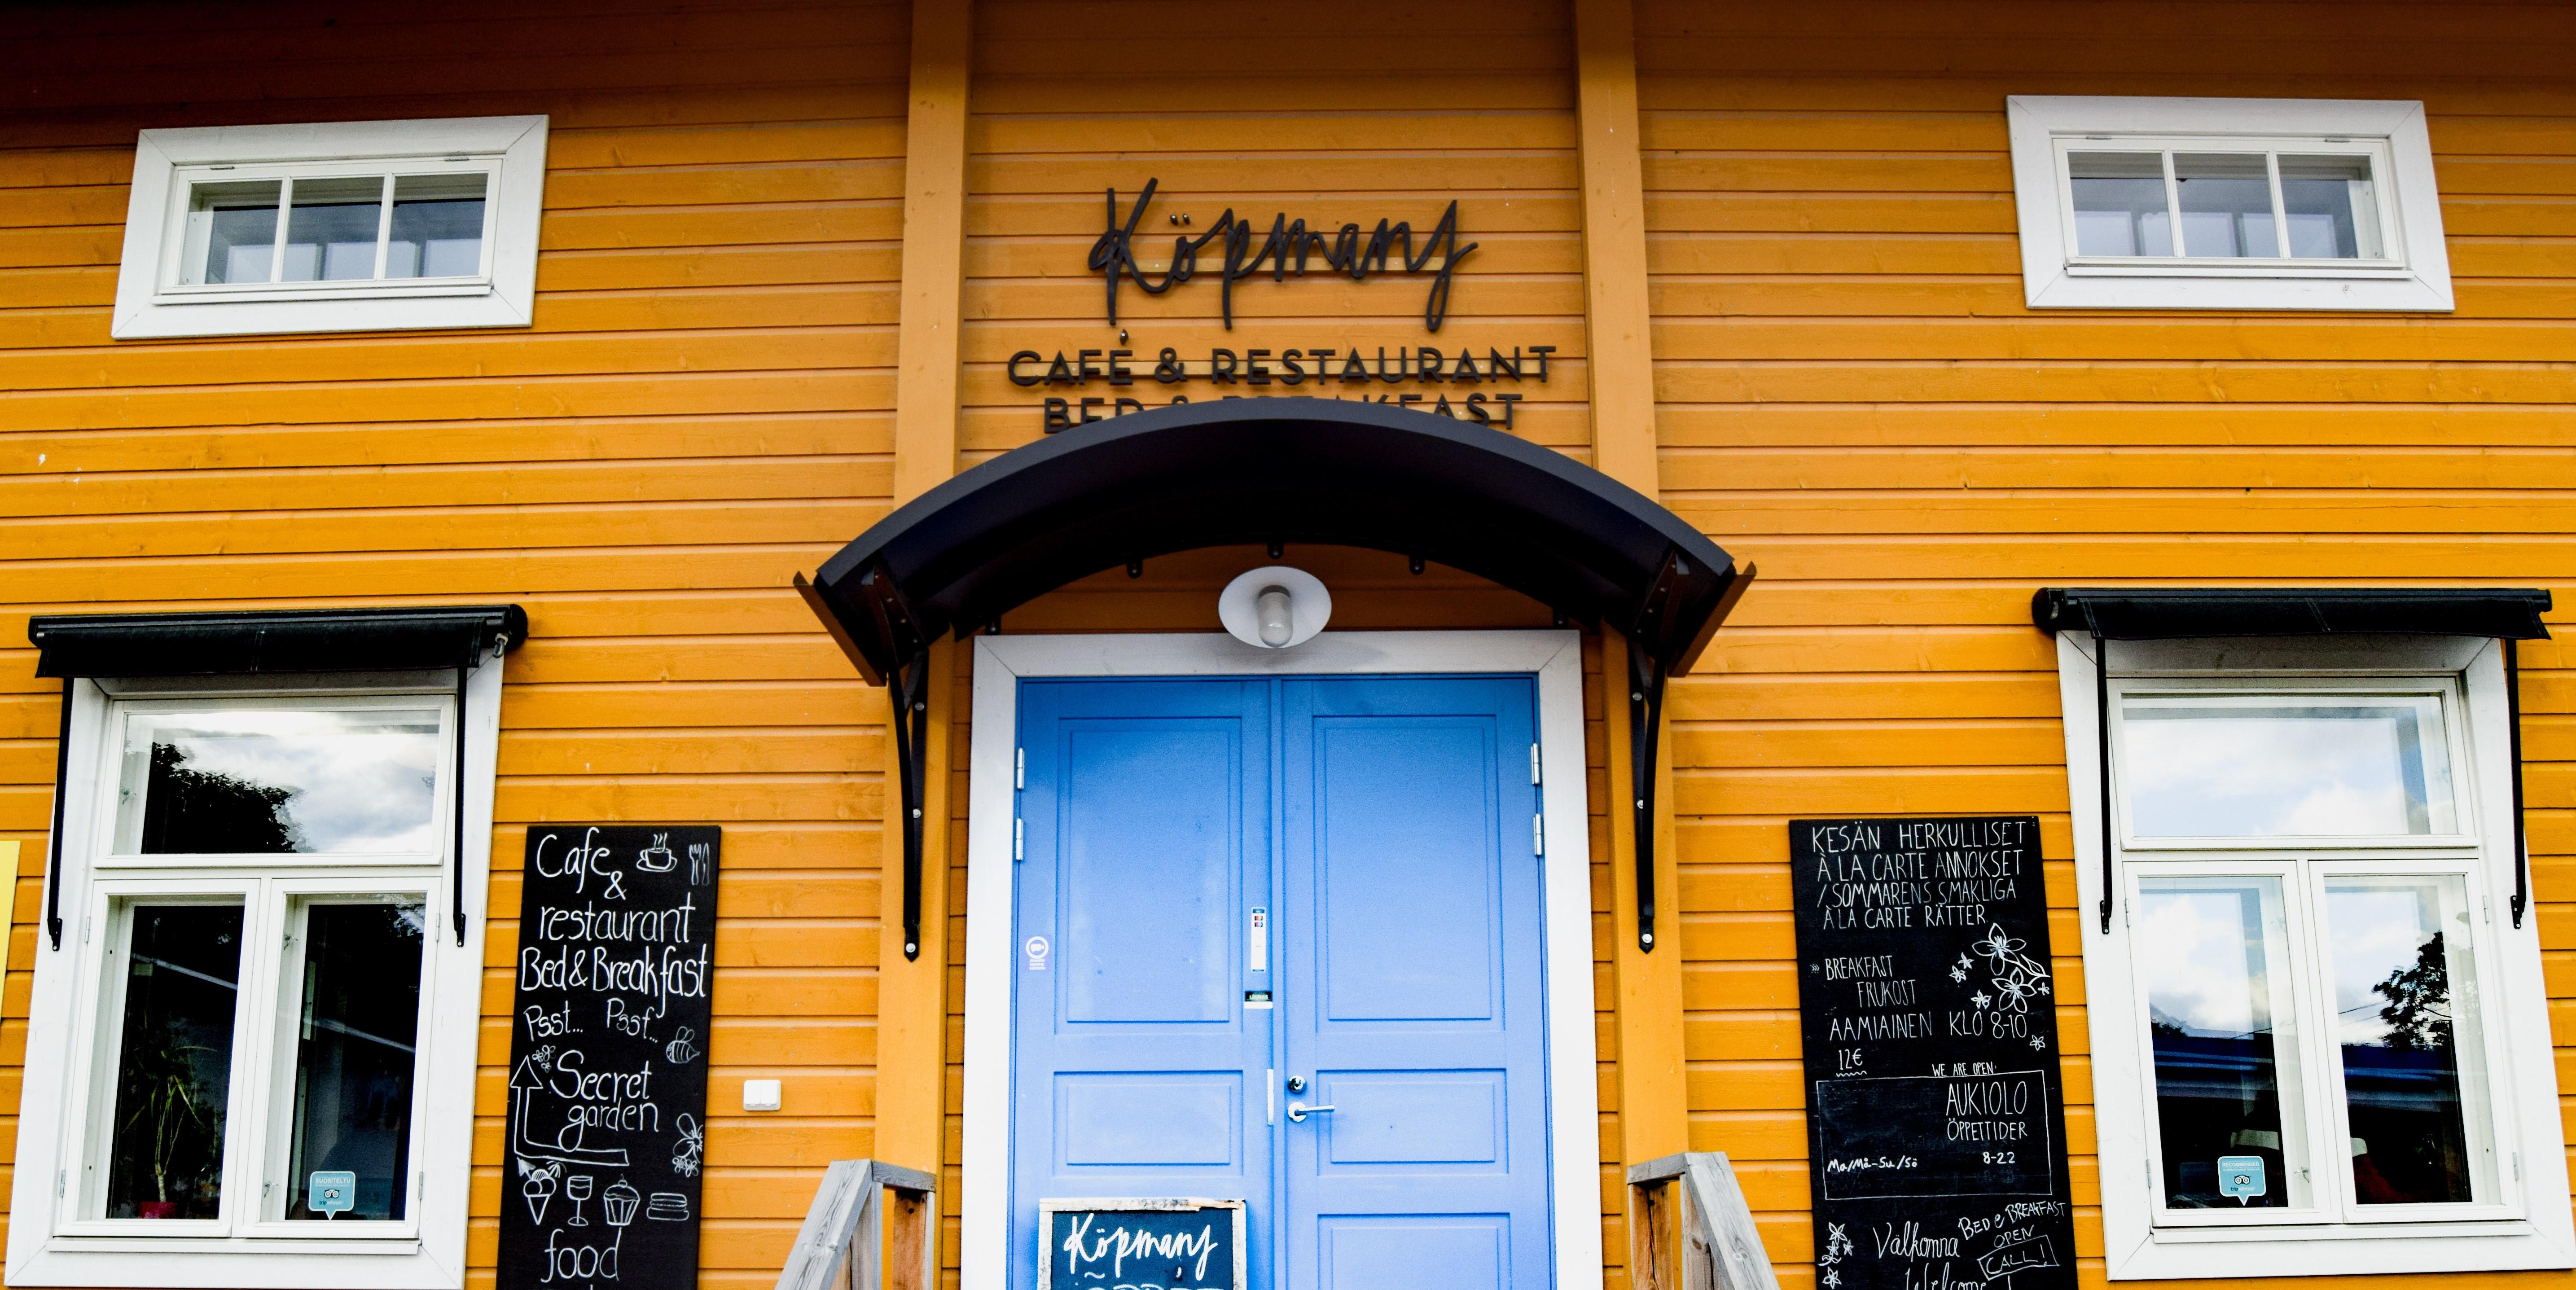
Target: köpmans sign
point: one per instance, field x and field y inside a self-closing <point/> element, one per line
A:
<point x="1457" y="382"/>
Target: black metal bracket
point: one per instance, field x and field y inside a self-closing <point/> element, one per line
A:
<point x="456" y="857"/>
<point x="2513" y="726"/>
<point x="2102" y="759"/>
<point x="908" y="692"/>
<point x="54" y="860"/>
<point x="1645" y="723"/>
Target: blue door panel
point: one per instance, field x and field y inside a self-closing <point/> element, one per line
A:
<point x="1146" y="810"/>
<point x="1450" y="1252"/>
<point x="1149" y="866"/>
<point x="1407" y="812"/>
<point x="1413" y="986"/>
<point x="1383" y="828"/>
<point x="1170" y="1119"/>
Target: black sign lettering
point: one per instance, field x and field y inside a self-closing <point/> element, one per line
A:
<point x="1935" y="1110"/>
<point x="607" y="1110"/>
<point x="1286" y="248"/>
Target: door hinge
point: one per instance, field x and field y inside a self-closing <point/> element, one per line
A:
<point x="2486" y="907"/>
<point x="1019" y="839"/>
<point x="1538" y="833"/>
<point x="1534" y="773"/>
<point x="58" y="1176"/>
<point x="1019" y="768"/>
<point x="2517" y="1166"/>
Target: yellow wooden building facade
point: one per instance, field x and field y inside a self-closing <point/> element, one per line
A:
<point x="789" y="248"/>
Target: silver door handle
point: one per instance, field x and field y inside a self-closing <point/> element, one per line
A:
<point x="1298" y="1111"/>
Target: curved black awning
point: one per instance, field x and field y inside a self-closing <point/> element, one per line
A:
<point x="1289" y="470"/>
<point x="1293" y="470"/>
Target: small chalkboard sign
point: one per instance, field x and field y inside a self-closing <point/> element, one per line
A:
<point x="1175" y="1243"/>
<point x="1935" y="1111"/>
<point x="608" y="1058"/>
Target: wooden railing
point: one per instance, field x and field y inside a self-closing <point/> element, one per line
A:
<point x="873" y="1226"/>
<point x="1690" y="1228"/>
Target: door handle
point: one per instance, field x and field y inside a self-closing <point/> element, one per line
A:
<point x="1298" y="1111"/>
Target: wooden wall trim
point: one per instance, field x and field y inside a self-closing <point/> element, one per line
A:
<point x="1654" y="1117"/>
<point x="912" y="1008"/>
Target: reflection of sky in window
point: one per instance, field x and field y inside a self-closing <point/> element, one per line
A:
<point x="362" y="781"/>
<point x="2375" y="930"/>
<point x="2207" y="971"/>
<point x="2272" y="771"/>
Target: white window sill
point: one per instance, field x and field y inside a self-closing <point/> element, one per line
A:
<point x="235" y="1265"/>
<point x="2176" y="286"/>
<point x="2186" y="1253"/>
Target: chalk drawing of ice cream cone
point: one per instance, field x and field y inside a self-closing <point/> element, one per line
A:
<point x="539" y="1189"/>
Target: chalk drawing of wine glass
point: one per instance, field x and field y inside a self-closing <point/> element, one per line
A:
<point x="577" y="1189"/>
<point x="657" y="858"/>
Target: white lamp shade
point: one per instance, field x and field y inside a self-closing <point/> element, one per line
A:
<point x="1309" y="605"/>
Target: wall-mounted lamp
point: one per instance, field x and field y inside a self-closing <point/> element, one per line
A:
<point x="1274" y="607"/>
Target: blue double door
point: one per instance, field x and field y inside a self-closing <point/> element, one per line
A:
<point x="1279" y="941"/>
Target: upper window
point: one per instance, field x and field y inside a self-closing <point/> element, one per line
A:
<point x="2227" y="204"/>
<point x="2314" y="1024"/>
<point x="349" y="226"/>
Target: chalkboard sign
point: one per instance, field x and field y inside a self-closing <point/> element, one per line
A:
<point x="1935" y="1112"/>
<point x="1176" y="1244"/>
<point x="608" y="1058"/>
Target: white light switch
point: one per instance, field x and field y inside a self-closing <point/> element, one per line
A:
<point x="760" y="1095"/>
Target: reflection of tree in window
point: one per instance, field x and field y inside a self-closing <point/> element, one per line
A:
<point x="209" y="812"/>
<point x="2410" y="1144"/>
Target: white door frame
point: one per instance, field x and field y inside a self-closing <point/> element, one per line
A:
<point x="1555" y="657"/>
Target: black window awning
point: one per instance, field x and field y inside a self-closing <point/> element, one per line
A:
<point x="79" y="647"/>
<point x="2509" y="614"/>
<point x="2171" y="613"/>
<point x="1301" y="471"/>
<point x="281" y="641"/>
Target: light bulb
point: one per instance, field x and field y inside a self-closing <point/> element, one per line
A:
<point x="1271" y="607"/>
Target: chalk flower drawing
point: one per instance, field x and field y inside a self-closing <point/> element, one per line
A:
<point x="691" y="1147"/>
<point x="2017" y="976"/>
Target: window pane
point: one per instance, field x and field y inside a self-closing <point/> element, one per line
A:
<point x="331" y="233"/>
<point x="232" y="233"/>
<point x="2226" y="1063"/>
<point x="2406" y="1005"/>
<point x="2332" y="211"/>
<point x="2226" y="204"/>
<point x="2275" y="766"/>
<point x="438" y="227"/>
<point x="266" y="781"/>
<point x="358" y="1027"/>
<point x="2120" y="203"/>
<point x="174" y="1061"/>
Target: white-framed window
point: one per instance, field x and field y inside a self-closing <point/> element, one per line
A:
<point x="251" y="1061"/>
<point x="2203" y="203"/>
<point x="341" y="226"/>
<point x="2319" y="1044"/>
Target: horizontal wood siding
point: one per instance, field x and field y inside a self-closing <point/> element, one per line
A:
<point x="701" y="408"/>
<point x="1852" y="394"/>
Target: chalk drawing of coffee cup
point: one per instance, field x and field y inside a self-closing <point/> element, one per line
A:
<point x="682" y="1049"/>
<point x="657" y="858"/>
